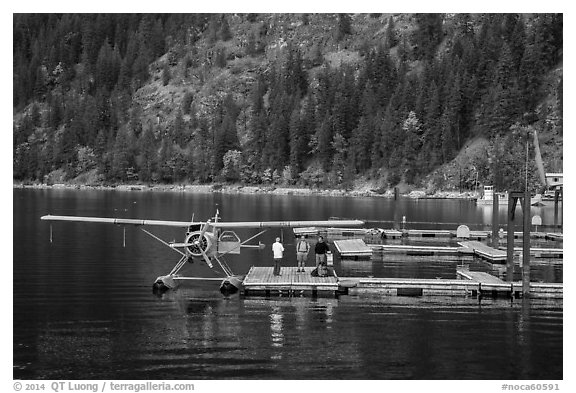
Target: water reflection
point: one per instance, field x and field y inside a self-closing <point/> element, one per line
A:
<point x="276" y="333"/>
<point x="104" y="322"/>
<point x="549" y="215"/>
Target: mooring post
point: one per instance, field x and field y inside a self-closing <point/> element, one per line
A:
<point x="556" y="198"/>
<point x="495" y="223"/>
<point x="512" y="200"/>
<point x="526" y="246"/>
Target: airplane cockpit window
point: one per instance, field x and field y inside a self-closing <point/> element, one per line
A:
<point x="229" y="236"/>
<point x="194" y="227"/>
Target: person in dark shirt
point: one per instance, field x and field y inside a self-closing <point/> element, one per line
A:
<point x="320" y="250"/>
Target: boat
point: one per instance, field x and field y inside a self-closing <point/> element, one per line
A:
<point x="488" y="198"/>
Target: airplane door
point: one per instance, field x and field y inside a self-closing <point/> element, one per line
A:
<point x="229" y="243"/>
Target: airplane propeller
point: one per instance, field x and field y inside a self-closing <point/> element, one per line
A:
<point x="206" y="259"/>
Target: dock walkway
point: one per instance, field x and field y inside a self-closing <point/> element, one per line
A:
<point x="484" y="251"/>
<point x="481" y="277"/>
<point x="416" y="250"/>
<point x="261" y="280"/>
<point x="469" y="283"/>
<point x="353" y="248"/>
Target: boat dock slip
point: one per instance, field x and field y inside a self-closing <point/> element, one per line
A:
<point x="475" y="284"/>
<point x="428" y="233"/>
<point x="262" y="281"/>
<point x="392" y="234"/>
<point x="418" y="250"/>
<point x="353" y="248"/>
<point x="554" y="236"/>
<point x="331" y="233"/>
<point x="484" y="251"/>
<point x="542" y="252"/>
<point x="479" y="235"/>
<point x="481" y="277"/>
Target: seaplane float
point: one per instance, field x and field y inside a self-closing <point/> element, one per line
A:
<point x="206" y="241"/>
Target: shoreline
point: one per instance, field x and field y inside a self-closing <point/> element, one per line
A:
<point x="239" y="189"/>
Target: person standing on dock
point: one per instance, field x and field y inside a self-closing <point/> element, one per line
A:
<point x="278" y="250"/>
<point x="320" y="250"/>
<point x="302" y="249"/>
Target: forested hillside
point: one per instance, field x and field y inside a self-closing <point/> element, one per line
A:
<point x="306" y="99"/>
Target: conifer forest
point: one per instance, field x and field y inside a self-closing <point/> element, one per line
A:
<point x="436" y="101"/>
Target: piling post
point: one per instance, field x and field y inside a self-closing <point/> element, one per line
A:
<point x="512" y="200"/>
<point x="556" y="199"/>
<point x="495" y="223"/>
<point x="526" y="246"/>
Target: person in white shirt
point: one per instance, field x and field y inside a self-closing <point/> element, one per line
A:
<point x="278" y="250"/>
<point x="302" y="249"/>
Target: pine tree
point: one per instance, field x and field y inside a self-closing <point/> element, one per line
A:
<point x="413" y="133"/>
<point x="165" y="164"/>
<point x="428" y="35"/>
<point x="344" y="26"/>
<point x="532" y="68"/>
<point x="360" y="144"/>
<point x="123" y="157"/>
<point x="225" y="34"/>
<point x="226" y="139"/>
<point x="432" y="129"/>
<point x="505" y="72"/>
<point x="341" y="172"/>
<point x="297" y="142"/>
<point x="147" y="158"/>
<point x="166" y="74"/>
<point x="391" y="40"/>
<point x="157" y="39"/>
<point x="324" y="142"/>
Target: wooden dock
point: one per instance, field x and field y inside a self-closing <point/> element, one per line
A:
<point x="353" y="248"/>
<point x="415" y="250"/>
<point x="554" y="236"/>
<point x="262" y="281"/>
<point x="392" y="234"/>
<point x="357" y="248"/>
<point x="331" y="233"/>
<point x="428" y="233"/>
<point x="539" y="252"/>
<point x="484" y="251"/>
<point x="481" y="277"/>
<point x="469" y="283"/>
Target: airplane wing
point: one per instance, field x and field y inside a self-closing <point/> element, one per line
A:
<point x="119" y="221"/>
<point x="276" y="224"/>
<point x="219" y="224"/>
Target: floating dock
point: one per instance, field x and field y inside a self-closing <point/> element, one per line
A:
<point x="353" y="248"/>
<point x="538" y="252"/>
<point x="484" y="251"/>
<point x="391" y="234"/>
<point x="554" y="236"/>
<point x="357" y="248"/>
<point x="474" y="284"/>
<point x="417" y="250"/>
<point x="368" y="234"/>
<point x="261" y="281"/>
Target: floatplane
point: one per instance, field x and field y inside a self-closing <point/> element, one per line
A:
<point x="206" y="241"/>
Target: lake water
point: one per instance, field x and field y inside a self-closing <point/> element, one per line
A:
<point x="84" y="308"/>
